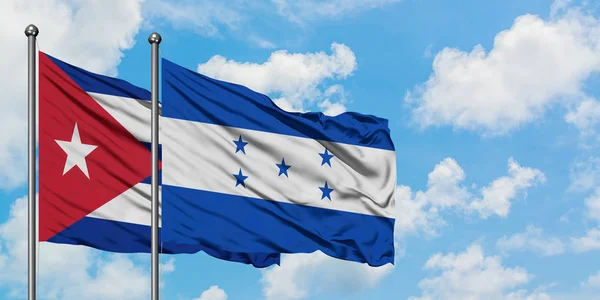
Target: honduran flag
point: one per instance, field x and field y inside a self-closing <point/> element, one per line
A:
<point x="95" y="165"/>
<point x="240" y="174"/>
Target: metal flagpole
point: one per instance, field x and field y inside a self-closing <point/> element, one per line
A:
<point x="154" y="39"/>
<point x="31" y="32"/>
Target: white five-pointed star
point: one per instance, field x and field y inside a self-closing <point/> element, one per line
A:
<point x="76" y="152"/>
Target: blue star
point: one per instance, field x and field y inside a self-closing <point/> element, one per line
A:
<point x="326" y="157"/>
<point x="239" y="179"/>
<point x="283" y="168"/>
<point x="239" y="145"/>
<point x="326" y="191"/>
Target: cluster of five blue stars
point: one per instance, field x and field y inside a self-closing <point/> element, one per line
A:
<point x="283" y="168"/>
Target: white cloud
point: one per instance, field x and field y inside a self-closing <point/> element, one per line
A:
<point x="69" y="30"/>
<point x="213" y="293"/>
<point x="286" y="105"/>
<point x="261" y="42"/>
<point x="472" y="275"/>
<point x="201" y="16"/>
<point x="301" y="11"/>
<point x="67" y="271"/>
<point x="301" y="275"/>
<point x="589" y="242"/>
<point x="498" y="195"/>
<point x="559" y="6"/>
<point x="585" y="174"/>
<point x="211" y="17"/>
<point x="533" y="240"/>
<point x="415" y="214"/>
<point x="218" y="18"/>
<point x="335" y="98"/>
<point x="585" y="117"/>
<point x="168" y="266"/>
<point x="294" y="78"/>
<point x="585" y="180"/>
<point x="592" y="204"/>
<point x="443" y="185"/>
<point x="533" y="65"/>
<point x="420" y="211"/>
<point x="593" y="282"/>
<point x="331" y="109"/>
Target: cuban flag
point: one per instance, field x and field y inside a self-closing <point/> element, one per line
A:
<point x="95" y="165"/>
<point x="240" y="174"/>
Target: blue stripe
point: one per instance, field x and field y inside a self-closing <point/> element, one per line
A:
<point x="96" y="83"/>
<point x="133" y="238"/>
<point x="191" y="96"/>
<point x="244" y="224"/>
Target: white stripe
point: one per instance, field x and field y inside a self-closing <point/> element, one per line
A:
<point x="198" y="152"/>
<point x="202" y="156"/>
<point x="132" y="206"/>
<point x="131" y="113"/>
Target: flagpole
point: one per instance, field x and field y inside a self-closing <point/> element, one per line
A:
<point x="31" y="32"/>
<point x="154" y="39"/>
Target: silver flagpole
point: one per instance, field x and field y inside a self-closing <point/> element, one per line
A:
<point x="154" y="39"/>
<point x="31" y="32"/>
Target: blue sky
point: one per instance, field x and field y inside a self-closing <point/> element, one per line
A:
<point x="493" y="109"/>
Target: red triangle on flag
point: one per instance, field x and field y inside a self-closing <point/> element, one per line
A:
<point x="77" y="176"/>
